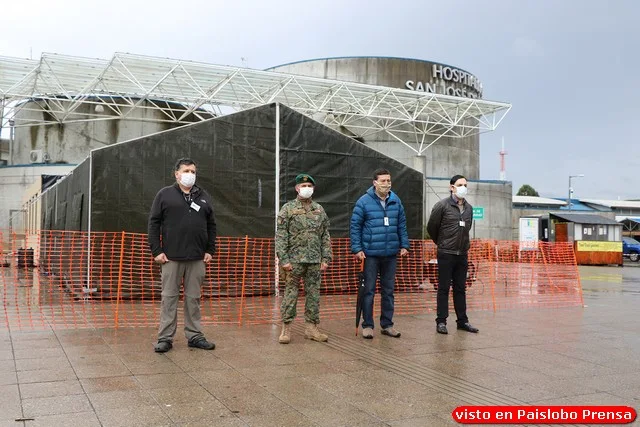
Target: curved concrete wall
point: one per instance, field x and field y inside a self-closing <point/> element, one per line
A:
<point x="448" y="156"/>
<point x="71" y="142"/>
<point x="401" y="73"/>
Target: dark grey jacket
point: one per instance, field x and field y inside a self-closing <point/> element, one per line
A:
<point x="445" y="229"/>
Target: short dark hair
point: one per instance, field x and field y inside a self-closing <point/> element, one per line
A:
<point x="379" y="172"/>
<point x="184" y="161"/>
<point x="455" y="178"/>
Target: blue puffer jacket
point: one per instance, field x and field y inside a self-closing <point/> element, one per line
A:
<point x="368" y="232"/>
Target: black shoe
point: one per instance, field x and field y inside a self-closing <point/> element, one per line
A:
<point x="163" y="346"/>
<point x="467" y="327"/>
<point x="442" y="328"/>
<point x="202" y="343"/>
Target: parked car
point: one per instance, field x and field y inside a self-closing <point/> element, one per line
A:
<point x="631" y="248"/>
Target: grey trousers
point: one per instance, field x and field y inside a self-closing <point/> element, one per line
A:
<point x="173" y="274"/>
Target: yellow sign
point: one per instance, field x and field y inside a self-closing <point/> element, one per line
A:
<point x="591" y="246"/>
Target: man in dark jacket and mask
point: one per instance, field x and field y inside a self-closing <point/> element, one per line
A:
<point x="182" y="214"/>
<point x="378" y="234"/>
<point x="449" y="226"/>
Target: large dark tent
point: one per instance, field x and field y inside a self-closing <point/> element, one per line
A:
<point x="242" y="158"/>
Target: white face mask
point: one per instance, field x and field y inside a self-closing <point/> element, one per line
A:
<point x="305" y="192"/>
<point x="461" y="192"/>
<point x="187" y="179"/>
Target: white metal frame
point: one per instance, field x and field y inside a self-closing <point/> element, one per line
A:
<point x="182" y="90"/>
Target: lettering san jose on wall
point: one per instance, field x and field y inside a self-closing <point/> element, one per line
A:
<point x="443" y="80"/>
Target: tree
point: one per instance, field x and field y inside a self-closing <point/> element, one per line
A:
<point x="527" y="190"/>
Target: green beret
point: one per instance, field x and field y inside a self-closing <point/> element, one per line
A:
<point x="303" y="177"/>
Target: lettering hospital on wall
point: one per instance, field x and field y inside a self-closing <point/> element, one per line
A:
<point x="442" y="79"/>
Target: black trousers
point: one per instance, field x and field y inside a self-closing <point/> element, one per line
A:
<point x="452" y="270"/>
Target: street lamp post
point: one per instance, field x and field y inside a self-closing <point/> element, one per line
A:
<point x="571" y="189"/>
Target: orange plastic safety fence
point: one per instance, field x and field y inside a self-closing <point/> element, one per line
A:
<point x="77" y="279"/>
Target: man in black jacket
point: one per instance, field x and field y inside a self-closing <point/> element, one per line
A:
<point x="183" y="215"/>
<point x="449" y="226"/>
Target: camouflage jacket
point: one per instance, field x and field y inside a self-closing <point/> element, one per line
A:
<point x="303" y="234"/>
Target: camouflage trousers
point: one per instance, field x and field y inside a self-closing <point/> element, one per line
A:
<point x="310" y="275"/>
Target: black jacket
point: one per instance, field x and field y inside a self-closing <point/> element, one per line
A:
<point x="445" y="229"/>
<point x="187" y="233"/>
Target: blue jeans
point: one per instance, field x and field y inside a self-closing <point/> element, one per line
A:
<point x="386" y="268"/>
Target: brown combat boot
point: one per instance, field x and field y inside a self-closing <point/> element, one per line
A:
<point x="285" y="335"/>
<point x="312" y="333"/>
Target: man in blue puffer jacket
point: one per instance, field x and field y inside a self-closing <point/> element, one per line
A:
<point x="378" y="233"/>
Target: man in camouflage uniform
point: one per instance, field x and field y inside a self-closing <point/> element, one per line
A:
<point x="303" y="247"/>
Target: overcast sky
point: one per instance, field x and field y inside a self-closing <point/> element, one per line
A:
<point x="568" y="67"/>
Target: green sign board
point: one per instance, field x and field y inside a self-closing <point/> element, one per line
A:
<point x="478" y="213"/>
